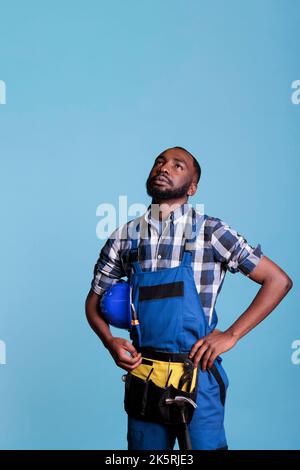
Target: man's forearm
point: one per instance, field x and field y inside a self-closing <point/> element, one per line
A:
<point x="268" y="296"/>
<point x="97" y="323"/>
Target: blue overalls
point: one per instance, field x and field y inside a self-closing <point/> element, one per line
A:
<point x="172" y="319"/>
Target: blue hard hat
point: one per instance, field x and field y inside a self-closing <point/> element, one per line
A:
<point x="115" y="305"/>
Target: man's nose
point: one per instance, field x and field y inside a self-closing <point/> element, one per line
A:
<point x="164" y="168"/>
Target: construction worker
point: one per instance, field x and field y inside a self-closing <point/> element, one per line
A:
<point x="175" y="259"/>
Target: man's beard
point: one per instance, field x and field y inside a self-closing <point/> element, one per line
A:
<point x="158" y="193"/>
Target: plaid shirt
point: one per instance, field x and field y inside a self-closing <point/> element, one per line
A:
<point x="216" y="249"/>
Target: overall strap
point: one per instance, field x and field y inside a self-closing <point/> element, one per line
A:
<point x="189" y="243"/>
<point x="133" y="257"/>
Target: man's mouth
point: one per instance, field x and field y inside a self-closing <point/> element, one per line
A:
<point x="161" y="179"/>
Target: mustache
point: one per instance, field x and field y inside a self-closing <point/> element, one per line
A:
<point x="161" y="174"/>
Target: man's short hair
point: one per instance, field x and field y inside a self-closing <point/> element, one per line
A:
<point x="195" y="161"/>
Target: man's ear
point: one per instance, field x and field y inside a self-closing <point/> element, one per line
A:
<point x="192" y="189"/>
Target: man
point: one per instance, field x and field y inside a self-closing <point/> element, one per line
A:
<point x="194" y="277"/>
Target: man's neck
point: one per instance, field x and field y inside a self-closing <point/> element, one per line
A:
<point x="161" y="209"/>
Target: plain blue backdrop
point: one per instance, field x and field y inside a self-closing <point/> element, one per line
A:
<point x="95" y="90"/>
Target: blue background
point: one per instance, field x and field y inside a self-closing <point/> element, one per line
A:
<point x="95" y="90"/>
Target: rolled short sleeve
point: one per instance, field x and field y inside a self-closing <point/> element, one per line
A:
<point x="108" y="268"/>
<point x="232" y="249"/>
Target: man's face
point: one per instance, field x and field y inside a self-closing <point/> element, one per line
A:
<point x="172" y="176"/>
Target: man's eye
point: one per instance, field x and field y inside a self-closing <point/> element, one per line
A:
<point x="178" y="165"/>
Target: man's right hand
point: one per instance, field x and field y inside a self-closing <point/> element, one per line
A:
<point x="119" y="349"/>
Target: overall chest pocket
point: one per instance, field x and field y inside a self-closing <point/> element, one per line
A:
<point x="160" y="314"/>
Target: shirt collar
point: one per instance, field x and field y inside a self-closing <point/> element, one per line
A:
<point x="174" y="216"/>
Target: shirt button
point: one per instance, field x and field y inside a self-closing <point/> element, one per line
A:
<point x="158" y="256"/>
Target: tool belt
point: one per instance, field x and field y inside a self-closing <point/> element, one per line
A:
<point x="160" y="376"/>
